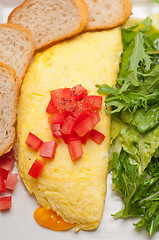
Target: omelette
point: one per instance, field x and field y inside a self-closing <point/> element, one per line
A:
<point x="75" y="190"/>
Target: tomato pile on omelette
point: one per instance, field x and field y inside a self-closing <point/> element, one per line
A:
<point x="75" y="190"/>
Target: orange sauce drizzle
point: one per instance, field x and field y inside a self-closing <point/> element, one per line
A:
<point x="49" y="219"/>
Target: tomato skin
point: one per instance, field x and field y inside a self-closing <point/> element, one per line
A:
<point x="36" y="168"/>
<point x="5" y="203"/>
<point x="11" y="181"/>
<point x="33" y="142"/>
<point x="51" y="107"/>
<point x="48" y="149"/>
<point x="56" y="130"/>
<point x="94" y="101"/>
<point x="96" y="136"/>
<point x="2" y="184"/>
<point x="79" y="92"/>
<point x="75" y="149"/>
<point x="56" y="118"/>
<point x="68" y="126"/>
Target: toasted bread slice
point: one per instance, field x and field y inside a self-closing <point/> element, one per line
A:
<point x="16" y="48"/>
<point x="8" y="107"/>
<point x="105" y="14"/>
<point x="51" y="20"/>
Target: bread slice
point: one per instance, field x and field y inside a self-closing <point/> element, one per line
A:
<point x="8" y="106"/>
<point x="51" y="20"/>
<point x="105" y="14"/>
<point x="16" y="48"/>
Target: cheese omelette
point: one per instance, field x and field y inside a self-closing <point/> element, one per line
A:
<point x="74" y="190"/>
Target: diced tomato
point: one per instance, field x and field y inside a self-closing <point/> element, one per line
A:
<point x="4" y="173"/>
<point x="79" y="92"/>
<point x="2" y="184"/>
<point x="6" y="163"/>
<point x="48" y="149"/>
<point x="33" y="141"/>
<point x="5" y="202"/>
<point x="9" y="155"/>
<point x="67" y="94"/>
<point x="11" y="181"/>
<point x="56" y="118"/>
<point x="85" y="138"/>
<point x="51" y="107"/>
<point x="75" y="149"/>
<point x="56" y="130"/>
<point x="86" y="105"/>
<point x="71" y="137"/>
<point x="67" y="106"/>
<point x="84" y="127"/>
<point x="96" y="136"/>
<point x="36" y="168"/>
<point x="87" y="124"/>
<point x="95" y="101"/>
<point x="55" y="94"/>
<point x="95" y="118"/>
<point x="63" y="99"/>
<point x="80" y="113"/>
<point x="68" y="126"/>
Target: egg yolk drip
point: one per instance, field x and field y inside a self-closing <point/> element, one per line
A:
<point x="49" y="219"/>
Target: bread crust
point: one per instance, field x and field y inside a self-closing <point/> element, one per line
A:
<point x="126" y="12"/>
<point x="12" y="73"/>
<point x="84" y="18"/>
<point x="27" y="32"/>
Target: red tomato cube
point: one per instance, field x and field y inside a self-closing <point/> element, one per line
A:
<point x="56" y="130"/>
<point x="68" y="125"/>
<point x="9" y="155"/>
<point x="94" y="101"/>
<point x="84" y="127"/>
<point x="5" y="202"/>
<point x="75" y="149"/>
<point x="4" y="173"/>
<point x="79" y="92"/>
<point x="2" y="184"/>
<point x="80" y="112"/>
<point x="63" y="99"/>
<point x="56" y="118"/>
<point x="71" y="137"/>
<point x="51" y="107"/>
<point x="84" y="139"/>
<point x="95" y="118"/>
<point x="96" y="136"/>
<point x="6" y="163"/>
<point x="11" y="181"/>
<point x="33" y="141"/>
<point x="36" y="168"/>
<point x="87" y="124"/>
<point x="48" y="149"/>
<point x="55" y="95"/>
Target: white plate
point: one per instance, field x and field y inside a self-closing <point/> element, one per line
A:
<point x="18" y="223"/>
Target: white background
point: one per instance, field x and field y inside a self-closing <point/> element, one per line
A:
<point x="18" y="223"/>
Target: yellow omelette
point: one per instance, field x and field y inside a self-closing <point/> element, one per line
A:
<point x="74" y="190"/>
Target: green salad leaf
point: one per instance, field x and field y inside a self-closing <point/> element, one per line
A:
<point x="134" y="105"/>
